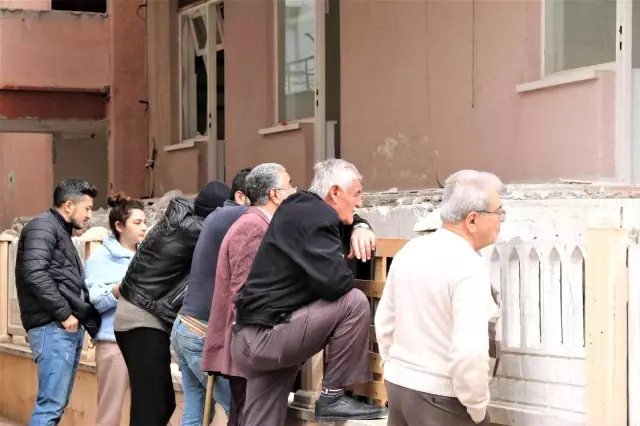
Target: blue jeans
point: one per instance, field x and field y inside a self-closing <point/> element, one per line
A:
<point x="188" y="347"/>
<point x="56" y="353"/>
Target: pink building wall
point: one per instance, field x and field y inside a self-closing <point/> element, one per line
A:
<point x="53" y="50"/>
<point x="26" y="175"/>
<point x="251" y="98"/>
<point x="64" y="66"/>
<point x="418" y="102"/>
<point x="427" y="88"/>
<point x="128" y="145"/>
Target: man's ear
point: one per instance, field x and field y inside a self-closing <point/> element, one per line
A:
<point x="471" y="220"/>
<point x="333" y="193"/>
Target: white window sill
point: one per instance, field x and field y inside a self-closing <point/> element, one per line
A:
<point x="566" y="77"/>
<point x="185" y="144"/>
<point x="279" y="128"/>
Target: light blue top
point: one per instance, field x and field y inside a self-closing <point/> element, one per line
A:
<point x="104" y="268"/>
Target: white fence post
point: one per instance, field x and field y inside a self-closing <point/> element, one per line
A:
<point x="606" y="297"/>
<point x="634" y="335"/>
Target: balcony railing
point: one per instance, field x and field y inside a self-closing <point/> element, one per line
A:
<point x="11" y="329"/>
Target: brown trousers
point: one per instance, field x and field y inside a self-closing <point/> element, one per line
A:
<point x="270" y="357"/>
<point x="113" y="383"/>
<point x="408" y="407"/>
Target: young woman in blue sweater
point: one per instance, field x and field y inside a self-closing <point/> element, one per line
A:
<point x="103" y="271"/>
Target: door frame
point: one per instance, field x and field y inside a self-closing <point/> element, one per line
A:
<point x="627" y="155"/>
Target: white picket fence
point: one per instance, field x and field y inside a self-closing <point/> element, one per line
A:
<point x="542" y="374"/>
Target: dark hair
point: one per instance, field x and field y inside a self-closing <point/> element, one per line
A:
<point x="73" y="190"/>
<point x="238" y="183"/>
<point x="121" y="207"/>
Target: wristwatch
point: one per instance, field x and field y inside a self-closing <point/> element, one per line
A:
<point x="363" y="225"/>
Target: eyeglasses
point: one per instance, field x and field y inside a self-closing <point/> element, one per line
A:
<point x="499" y="212"/>
<point x="293" y="189"/>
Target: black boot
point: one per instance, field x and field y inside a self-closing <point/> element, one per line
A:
<point x="346" y="408"/>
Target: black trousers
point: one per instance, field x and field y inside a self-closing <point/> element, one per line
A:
<point x="146" y="352"/>
<point x="238" y="387"/>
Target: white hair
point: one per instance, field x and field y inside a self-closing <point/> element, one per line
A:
<point x="467" y="191"/>
<point x="332" y="172"/>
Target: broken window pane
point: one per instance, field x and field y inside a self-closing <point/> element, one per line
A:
<point x="201" y="96"/>
<point x="200" y="30"/>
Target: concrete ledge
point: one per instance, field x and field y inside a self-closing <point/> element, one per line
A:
<point x="25" y="351"/>
<point x="504" y="413"/>
<point x="90" y="367"/>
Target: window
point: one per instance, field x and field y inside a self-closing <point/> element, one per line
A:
<point x="200" y="51"/>
<point x="579" y="33"/>
<point x="296" y="59"/>
<point x="95" y="6"/>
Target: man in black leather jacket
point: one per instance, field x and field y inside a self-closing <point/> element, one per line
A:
<point x="152" y="292"/>
<point x="54" y="300"/>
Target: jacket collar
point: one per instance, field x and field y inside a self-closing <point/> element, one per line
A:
<point x="115" y="248"/>
<point x="230" y="203"/>
<point x="258" y="211"/>
<point x="66" y="225"/>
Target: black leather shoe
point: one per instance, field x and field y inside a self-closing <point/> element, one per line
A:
<point x="346" y="408"/>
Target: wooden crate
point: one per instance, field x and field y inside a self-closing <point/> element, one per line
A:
<point x="374" y="390"/>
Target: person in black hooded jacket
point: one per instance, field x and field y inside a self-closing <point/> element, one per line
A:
<point x="54" y="300"/>
<point x="151" y="294"/>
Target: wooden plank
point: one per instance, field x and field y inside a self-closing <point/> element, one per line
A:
<point x="633" y="338"/>
<point x="374" y="363"/>
<point x="606" y="297"/>
<point x="389" y="247"/>
<point x="380" y="269"/>
<point x="370" y="288"/>
<point x="371" y="389"/>
<point x="4" y="291"/>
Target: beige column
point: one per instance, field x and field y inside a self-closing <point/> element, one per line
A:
<point x="4" y="287"/>
<point x="606" y="297"/>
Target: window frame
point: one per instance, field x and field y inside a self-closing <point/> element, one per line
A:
<point x="211" y="12"/>
<point x="546" y="28"/>
<point x="278" y="44"/>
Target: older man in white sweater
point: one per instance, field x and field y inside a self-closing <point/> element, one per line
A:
<point x="432" y="323"/>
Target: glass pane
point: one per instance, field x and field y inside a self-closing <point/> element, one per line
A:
<point x="297" y="47"/>
<point x="220" y="93"/>
<point x="220" y="26"/>
<point x="579" y="33"/>
<point x="200" y="30"/>
<point x="202" y="109"/>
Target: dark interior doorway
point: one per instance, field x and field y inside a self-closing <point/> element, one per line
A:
<point x="95" y="6"/>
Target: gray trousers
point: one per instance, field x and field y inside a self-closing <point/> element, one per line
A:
<point x="270" y="357"/>
<point x="408" y="407"/>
